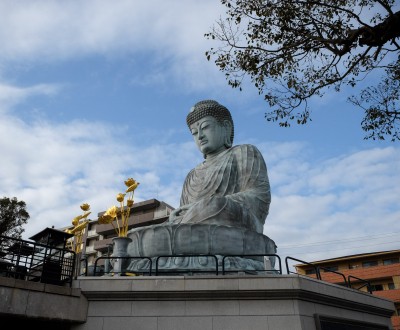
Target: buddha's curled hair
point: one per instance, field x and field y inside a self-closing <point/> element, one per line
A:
<point x="210" y="108"/>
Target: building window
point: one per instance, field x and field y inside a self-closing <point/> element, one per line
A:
<point x="353" y="266"/>
<point x="376" y="287"/>
<point x="331" y="268"/>
<point x="370" y="263"/>
<point x="390" y="261"/>
<point x="391" y="286"/>
<point x="310" y="271"/>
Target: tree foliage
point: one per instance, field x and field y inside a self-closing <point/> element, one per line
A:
<point x="13" y="216"/>
<point x="293" y="50"/>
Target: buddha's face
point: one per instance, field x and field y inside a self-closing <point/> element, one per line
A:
<point x="209" y="135"/>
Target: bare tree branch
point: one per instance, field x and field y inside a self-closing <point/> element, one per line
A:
<point x="293" y="50"/>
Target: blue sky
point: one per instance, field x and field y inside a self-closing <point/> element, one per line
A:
<point x="94" y="92"/>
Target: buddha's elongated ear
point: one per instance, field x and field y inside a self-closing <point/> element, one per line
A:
<point x="227" y="125"/>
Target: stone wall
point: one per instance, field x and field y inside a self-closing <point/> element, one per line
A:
<point x="268" y="302"/>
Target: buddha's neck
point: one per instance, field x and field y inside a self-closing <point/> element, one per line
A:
<point x="210" y="157"/>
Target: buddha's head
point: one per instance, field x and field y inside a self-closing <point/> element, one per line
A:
<point x="212" y="127"/>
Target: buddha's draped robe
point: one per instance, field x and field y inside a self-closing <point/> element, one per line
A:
<point x="230" y="189"/>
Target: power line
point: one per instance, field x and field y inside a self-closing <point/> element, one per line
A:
<point x="341" y="249"/>
<point x="351" y="239"/>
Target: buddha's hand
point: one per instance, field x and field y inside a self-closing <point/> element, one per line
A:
<point x="177" y="214"/>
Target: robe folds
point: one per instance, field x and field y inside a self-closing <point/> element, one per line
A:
<point x="230" y="189"/>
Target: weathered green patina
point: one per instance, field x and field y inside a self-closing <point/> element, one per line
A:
<point x="224" y="202"/>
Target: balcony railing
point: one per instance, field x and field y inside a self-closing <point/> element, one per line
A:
<point x="92" y="233"/>
<point x="90" y="250"/>
<point x="31" y="261"/>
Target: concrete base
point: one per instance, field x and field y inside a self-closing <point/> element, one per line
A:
<point x="267" y="302"/>
<point x="26" y="302"/>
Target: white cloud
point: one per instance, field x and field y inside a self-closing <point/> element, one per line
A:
<point x="56" y="167"/>
<point x="338" y="199"/>
<point x="172" y="32"/>
<point x="66" y="29"/>
<point x="12" y="95"/>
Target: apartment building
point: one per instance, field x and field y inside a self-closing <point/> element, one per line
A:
<point x="97" y="238"/>
<point x="380" y="269"/>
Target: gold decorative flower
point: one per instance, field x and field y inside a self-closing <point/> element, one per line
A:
<point x="105" y="219"/>
<point x="75" y="220"/>
<point x="112" y="211"/>
<point x="132" y="187"/>
<point x="120" y="197"/>
<point x="129" y="182"/>
<point x="85" y="207"/>
<point x="85" y="215"/>
<point x="78" y="228"/>
<point x="119" y="216"/>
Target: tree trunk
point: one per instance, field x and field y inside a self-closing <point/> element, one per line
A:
<point x="381" y="33"/>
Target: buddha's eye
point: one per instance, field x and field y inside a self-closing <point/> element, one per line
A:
<point x="205" y="126"/>
<point x="194" y="132"/>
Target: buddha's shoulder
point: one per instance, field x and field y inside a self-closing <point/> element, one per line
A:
<point x="241" y="148"/>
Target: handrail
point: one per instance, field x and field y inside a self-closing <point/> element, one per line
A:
<point x="123" y="258"/>
<point x="316" y="268"/>
<point x="253" y="255"/>
<point x="334" y="271"/>
<point x="366" y="283"/>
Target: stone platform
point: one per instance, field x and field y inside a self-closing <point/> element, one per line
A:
<point x="234" y="302"/>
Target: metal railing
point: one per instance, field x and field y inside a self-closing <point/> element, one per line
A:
<point x="316" y="268"/>
<point x="155" y="266"/>
<point x="335" y="272"/>
<point x="365" y="283"/>
<point x="346" y="282"/>
<point x="31" y="261"/>
<point x="99" y="271"/>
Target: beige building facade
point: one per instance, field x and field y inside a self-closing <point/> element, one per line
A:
<point x="380" y="269"/>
